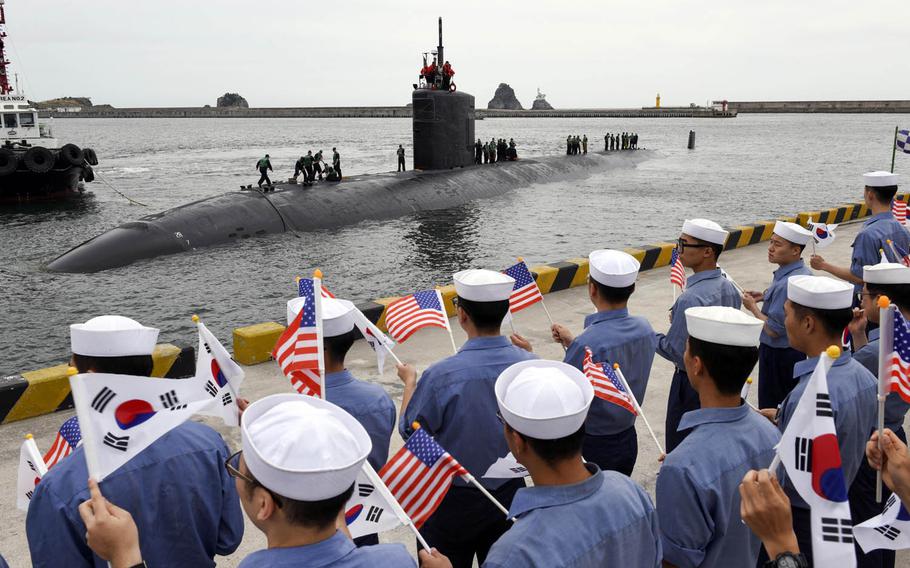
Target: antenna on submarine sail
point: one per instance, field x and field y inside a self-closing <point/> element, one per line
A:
<point x="443" y="124"/>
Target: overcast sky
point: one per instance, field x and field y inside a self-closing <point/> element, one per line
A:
<point x="580" y="53"/>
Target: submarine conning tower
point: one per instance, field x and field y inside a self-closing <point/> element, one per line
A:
<point x="443" y="123"/>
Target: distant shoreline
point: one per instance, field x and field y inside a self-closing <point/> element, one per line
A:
<point x="733" y="108"/>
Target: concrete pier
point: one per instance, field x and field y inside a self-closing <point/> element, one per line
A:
<point x="653" y="296"/>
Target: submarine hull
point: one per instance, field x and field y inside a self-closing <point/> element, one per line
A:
<point x="247" y="214"/>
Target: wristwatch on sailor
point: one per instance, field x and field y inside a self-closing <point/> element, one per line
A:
<point x="140" y="565"/>
<point x="788" y="560"/>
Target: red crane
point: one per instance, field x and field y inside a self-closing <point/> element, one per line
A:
<point x="5" y="87"/>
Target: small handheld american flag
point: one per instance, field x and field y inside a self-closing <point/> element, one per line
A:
<point x="607" y="385"/>
<point x="525" y="292"/>
<point x="420" y="474"/>
<point x="899" y="210"/>
<point x="898" y="370"/>
<point x="68" y="437"/>
<point x="301" y="288"/>
<point x="299" y="347"/>
<point x="415" y="311"/>
<point x="677" y="271"/>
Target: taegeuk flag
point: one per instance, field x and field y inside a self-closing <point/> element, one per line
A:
<point x="31" y="469"/>
<point x="381" y="343"/>
<point x="822" y="233"/>
<point x="372" y="509"/>
<point x="890" y="530"/>
<point x="810" y="454"/>
<point x="221" y="375"/>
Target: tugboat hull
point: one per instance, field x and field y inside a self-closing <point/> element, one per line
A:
<point x="23" y="186"/>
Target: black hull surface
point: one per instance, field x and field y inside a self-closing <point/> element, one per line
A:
<point x="245" y="214"/>
<point x="23" y="186"/>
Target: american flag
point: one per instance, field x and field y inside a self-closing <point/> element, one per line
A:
<point x="525" y="292"/>
<point x="902" y="255"/>
<point x="419" y="475"/>
<point x="415" y="311"/>
<point x="606" y="384"/>
<point x="301" y="288"/>
<point x="68" y="437"/>
<point x="899" y="372"/>
<point x="298" y="348"/>
<point x="899" y="210"/>
<point x="677" y="271"/>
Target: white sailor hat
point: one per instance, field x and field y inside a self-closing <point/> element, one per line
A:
<point x="544" y="399"/>
<point x="613" y="268"/>
<point x="792" y="232"/>
<point x="302" y="447"/>
<point x="723" y="325"/>
<point x="112" y="336"/>
<point x="337" y="315"/>
<point x="480" y="285"/>
<point x="705" y="230"/>
<point x="880" y="179"/>
<point x="819" y="292"/>
<point x="886" y="273"/>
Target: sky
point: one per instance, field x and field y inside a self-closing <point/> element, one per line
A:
<point x="581" y="54"/>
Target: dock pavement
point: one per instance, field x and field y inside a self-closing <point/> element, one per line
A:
<point x="748" y="266"/>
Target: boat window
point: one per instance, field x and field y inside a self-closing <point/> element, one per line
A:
<point x="9" y="120"/>
<point x="27" y="120"/>
<point x="9" y="106"/>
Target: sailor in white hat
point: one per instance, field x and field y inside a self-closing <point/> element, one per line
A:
<point x="775" y="356"/>
<point x="296" y="471"/>
<point x="817" y="311"/>
<point x="574" y="510"/>
<point x="367" y="402"/>
<point x="699" y="246"/>
<point x="454" y="402"/>
<point x="613" y="336"/>
<point x="880" y="189"/>
<point x="698" y="486"/>
<point x="201" y="496"/>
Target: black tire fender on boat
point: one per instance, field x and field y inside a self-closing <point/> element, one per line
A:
<point x="70" y="155"/>
<point x="90" y="156"/>
<point x="88" y="174"/>
<point x="9" y="161"/>
<point x="38" y="159"/>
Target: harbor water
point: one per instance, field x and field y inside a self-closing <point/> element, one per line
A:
<point x="745" y="169"/>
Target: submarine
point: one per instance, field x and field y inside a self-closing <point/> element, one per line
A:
<point x="444" y="175"/>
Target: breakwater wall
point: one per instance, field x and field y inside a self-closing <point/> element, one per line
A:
<point x="895" y="106"/>
<point x="373" y="112"/>
<point x="33" y="393"/>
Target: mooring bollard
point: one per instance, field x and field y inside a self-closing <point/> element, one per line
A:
<point x="691" y="139"/>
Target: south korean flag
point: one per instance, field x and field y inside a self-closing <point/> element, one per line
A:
<point x="810" y="453"/>
<point x="372" y="509"/>
<point x="381" y="343"/>
<point x="121" y="415"/>
<point x="890" y="530"/>
<point x="219" y="375"/>
<point x="31" y="469"/>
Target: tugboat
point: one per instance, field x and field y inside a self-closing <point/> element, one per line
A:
<point x="32" y="165"/>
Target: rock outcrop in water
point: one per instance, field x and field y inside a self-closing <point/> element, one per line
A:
<point x="232" y="100"/>
<point x="504" y="99"/>
<point x="541" y="103"/>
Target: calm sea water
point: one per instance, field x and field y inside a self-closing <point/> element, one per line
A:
<point x="744" y="169"/>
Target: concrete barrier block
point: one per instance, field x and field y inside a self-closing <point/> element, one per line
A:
<point x="545" y="276"/>
<point x="565" y="273"/>
<point x="253" y="344"/>
<point x="804" y="217"/>
<point x="448" y="293"/>
<point x="163" y="357"/>
<point x="46" y="390"/>
<point x="11" y="389"/>
<point x="184" y="365"/>
<point x="581" y="275"/>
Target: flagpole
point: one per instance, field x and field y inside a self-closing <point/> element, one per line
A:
<point x="87" y="429"/>
<point x="317" y="304"/>
<point x="625" y="385"/>
<point x="897" y="257"/>
<point x="894" y="149"/>
<point x="543" y="303"/>
<point x="470" y="479"/>
<point x="380" y="486"/>
<point x="448" y="326"/>
<point x="885" y="348"/>
<point x="32" y="449"/>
